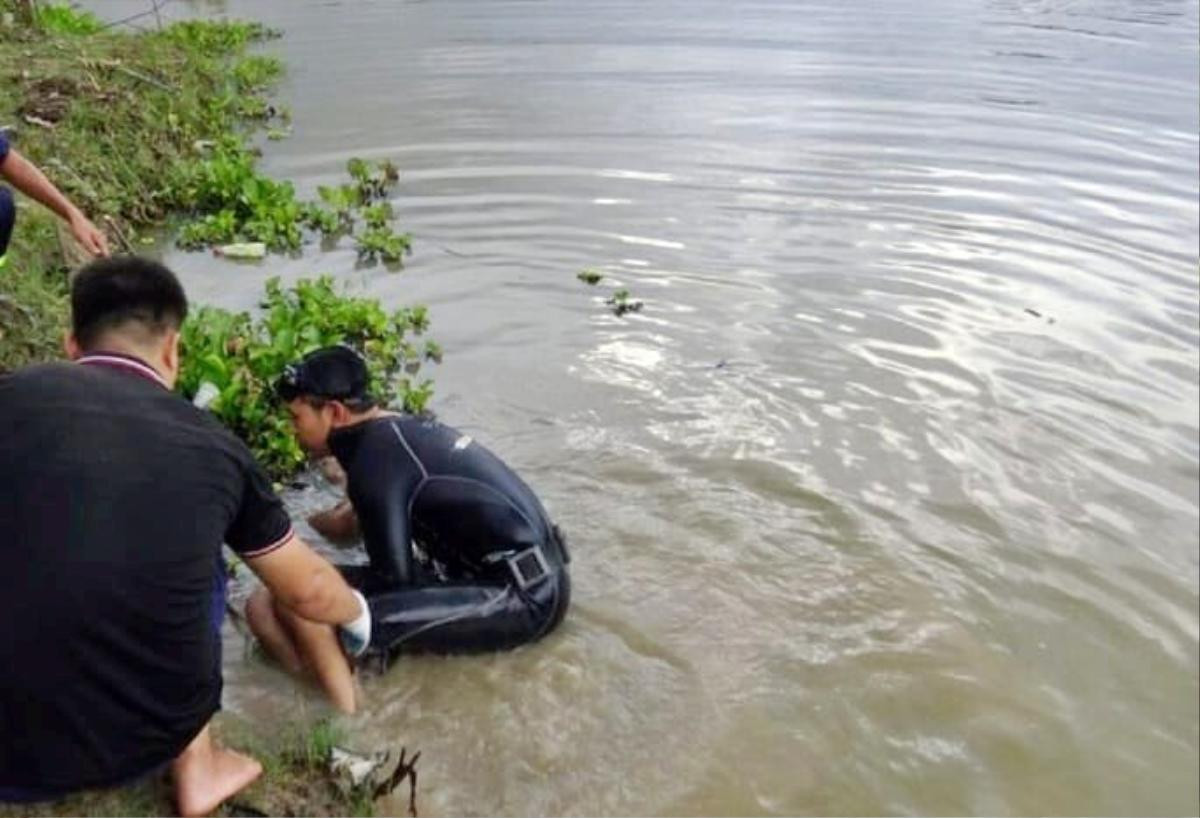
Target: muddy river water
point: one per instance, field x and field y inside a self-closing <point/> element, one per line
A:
<point x="886" y="502"/>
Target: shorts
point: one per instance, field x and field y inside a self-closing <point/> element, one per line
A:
<point x="8" y="218"/>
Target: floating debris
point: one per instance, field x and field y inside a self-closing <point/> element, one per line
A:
<point x="590" y="277"/>
<point x="354" y="767"/>
<point x="206" y="394"/>
<point x="365" y="774"/>
<point x="243" y="249"/>
<point x="403" y="770"/>
<point x="621" y="303"/>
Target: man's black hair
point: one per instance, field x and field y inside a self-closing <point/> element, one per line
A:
<point x="108" y="294"/>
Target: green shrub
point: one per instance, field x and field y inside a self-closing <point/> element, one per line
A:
<point x="217" y="37"/>
<point x="65" y="19"/>
<point x="242" y="356"/>
<point x="256" y="72"/>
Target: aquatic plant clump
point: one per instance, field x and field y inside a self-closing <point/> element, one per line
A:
<point x="241" y="205"/>
<point x="621" y="302"/>
<point x="233" y="359"/>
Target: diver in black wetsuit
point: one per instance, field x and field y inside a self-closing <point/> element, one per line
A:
<point x="493" y="569"/>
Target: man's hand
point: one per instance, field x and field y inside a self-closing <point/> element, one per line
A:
<point x="88" y="235"/>
<point x="356" y="636"/>
<point x="29" y="179"/>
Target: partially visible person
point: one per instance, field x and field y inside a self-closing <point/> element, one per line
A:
<point x="25" y="177"/>
<point x="115" y="497"/>
<point x="494" y="573"/>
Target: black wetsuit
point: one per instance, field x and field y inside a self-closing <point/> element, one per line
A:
<point x="413" y="479"/>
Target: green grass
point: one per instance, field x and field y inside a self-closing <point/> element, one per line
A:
<point x="65" y="19"/>
<point x="33" y="294"/>
<point x="115" y="109"/>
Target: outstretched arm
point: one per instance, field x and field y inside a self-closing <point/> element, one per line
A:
<point x="27" y="178"/>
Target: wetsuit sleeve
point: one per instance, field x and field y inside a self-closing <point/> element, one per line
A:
<point x="3" y="149"/>
<point x="390" y="477"/>
<point x="261" y="524"/>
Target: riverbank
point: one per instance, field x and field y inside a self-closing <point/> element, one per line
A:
<point x="152" y="132"/>
<point x="296" y="780"/>
<point x="125" y="123"/>
<point x="111" y="116"/>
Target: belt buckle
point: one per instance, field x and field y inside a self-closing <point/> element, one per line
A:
<point x="528" y="567"/>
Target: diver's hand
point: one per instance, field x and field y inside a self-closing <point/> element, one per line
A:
<point x="356" y="636"/>
<point x="339" y="524"/>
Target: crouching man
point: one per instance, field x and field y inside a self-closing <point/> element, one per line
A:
<point x="115" y="497"/>
<point x="493" y="574"/>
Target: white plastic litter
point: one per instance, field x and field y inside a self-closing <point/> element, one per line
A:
<point x="245" y="249"/>
<point x="357" y="767"/>
<point x="206" y="394"/>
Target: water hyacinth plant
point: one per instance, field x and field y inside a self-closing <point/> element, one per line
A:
<point x="235" y="358"/>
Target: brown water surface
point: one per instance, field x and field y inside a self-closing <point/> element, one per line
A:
<point x="887" y="501"/>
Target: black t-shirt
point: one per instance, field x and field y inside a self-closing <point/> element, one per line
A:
<point x="412" y="478"/>
<point x="115" y="497"/>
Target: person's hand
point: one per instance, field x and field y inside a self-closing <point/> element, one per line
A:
<point x="356" y="636"/>
<point x="88" y="235"/>
<point x="332" y="470"/>
<point x="337" y="524"/>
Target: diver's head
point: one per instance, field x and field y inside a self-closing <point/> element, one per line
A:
<point x="128" y="305"/>
<point x="325" y="390"/>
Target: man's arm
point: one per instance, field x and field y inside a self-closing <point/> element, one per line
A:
<point x="261" y="534"/>
<point x="338" y="524"/>
<point x="306" y="583"/>
<point x="382" y="503"/>
<point x="306" y="596"/>
<point x="27" y="178"/>
<point x="382" y="513"/>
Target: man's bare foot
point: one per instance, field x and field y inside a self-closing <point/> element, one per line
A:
<point x="206" y="774"/>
